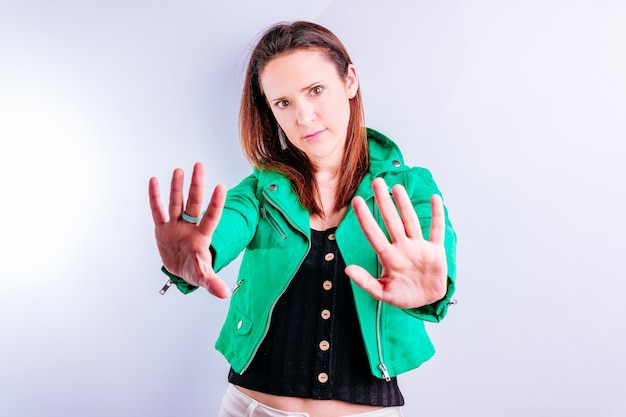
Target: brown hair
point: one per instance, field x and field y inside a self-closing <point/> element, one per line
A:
<point x="258" y="129"/>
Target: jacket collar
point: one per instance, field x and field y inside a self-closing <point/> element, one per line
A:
<point x="384" y="157"/>
<point x="275" y="188"/>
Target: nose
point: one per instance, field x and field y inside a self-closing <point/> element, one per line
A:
<point x="306" y="113"/>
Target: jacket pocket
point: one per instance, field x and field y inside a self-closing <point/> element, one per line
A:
<point x="243" y="324"/>
<point x="267" y="216"/>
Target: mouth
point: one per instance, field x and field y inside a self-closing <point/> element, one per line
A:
<point x="314" y="135"/>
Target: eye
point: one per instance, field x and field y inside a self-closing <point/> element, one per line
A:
<point x="317" y="90"/>
<point x="281" y="104"/>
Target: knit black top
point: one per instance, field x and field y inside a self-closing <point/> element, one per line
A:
<point x="314" y="348"/>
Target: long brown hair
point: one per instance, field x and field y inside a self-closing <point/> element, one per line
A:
<point x="258" y="129"/>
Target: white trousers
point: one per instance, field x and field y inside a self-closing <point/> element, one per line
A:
<point x="237" y="404"/>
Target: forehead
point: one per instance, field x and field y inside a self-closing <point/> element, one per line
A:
<point x="295" y="70"/>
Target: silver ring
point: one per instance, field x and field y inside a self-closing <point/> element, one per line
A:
<point x="186" y="217"/>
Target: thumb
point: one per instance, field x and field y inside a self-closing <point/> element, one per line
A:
<point x="209" y="279"/>
<point x="365" y="280"/>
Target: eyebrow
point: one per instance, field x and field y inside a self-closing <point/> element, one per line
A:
<point x="308" y="87"/>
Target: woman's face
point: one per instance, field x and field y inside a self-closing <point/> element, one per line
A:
<point x="311" y="103"/>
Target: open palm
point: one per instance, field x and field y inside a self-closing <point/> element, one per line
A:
<point x="414" y="270"/>
<point x="184" y="246"/>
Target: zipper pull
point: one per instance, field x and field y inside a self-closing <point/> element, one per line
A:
<point x="166" y="287"/>
<point x="236" y="287"/>
<point x="383" y="369"/>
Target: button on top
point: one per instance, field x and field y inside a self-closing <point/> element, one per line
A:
<point x="327" y="285"/>
<point x="322" y="377"/>
<point x="331" y="236"/>
<point x="329" y="256"/>
<point x="395" y="163"/>
<point x="325" y="314"/>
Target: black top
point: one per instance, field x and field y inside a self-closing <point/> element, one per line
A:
<point x="314" y="347"/>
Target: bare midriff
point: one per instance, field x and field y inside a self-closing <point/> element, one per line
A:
<point x="315" y="408"/>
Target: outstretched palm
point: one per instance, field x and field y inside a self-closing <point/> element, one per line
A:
<point x="184" y="246"/>
<point x="414" y="270"/>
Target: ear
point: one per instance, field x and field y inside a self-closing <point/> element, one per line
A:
<point x="352" y="81"/>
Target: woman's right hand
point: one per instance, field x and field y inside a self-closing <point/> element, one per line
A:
<point x="184" y="246"/>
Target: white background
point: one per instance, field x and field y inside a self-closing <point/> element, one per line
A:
<point x="518" y="108"/>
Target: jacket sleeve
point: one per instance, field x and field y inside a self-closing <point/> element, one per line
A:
<point x="235" y="230"/>
<point x="238" y="224"/>
<point x="420" y="188"/>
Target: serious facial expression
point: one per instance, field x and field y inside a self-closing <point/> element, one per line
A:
<point x="310" y="101"/>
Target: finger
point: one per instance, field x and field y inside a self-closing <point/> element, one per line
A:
<point x="363" y="279"/>
<point x="438" y="223"/>
<point x="156" y="207"/>
<point x="213" y="214"/>
<point x="371" y="229"/>
<point x="388" y="210"/>
<point x="411" y="222"/>
<point x="196" y="191"/>
<point x="176" y="194"/>
<point x="218" y="288"/>
<point x="210" y="280"/>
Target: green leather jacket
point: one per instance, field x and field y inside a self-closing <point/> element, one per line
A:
<point x="263" y="216"/>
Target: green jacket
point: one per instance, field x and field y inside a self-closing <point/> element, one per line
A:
<point x="263" y="216"/>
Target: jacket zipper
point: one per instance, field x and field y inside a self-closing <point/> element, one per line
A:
<point x="381" y="364"/>
<point x="379" y="313"/>
<point x="273" y="222"/>
<point x="267" y="327"/>
<point x="166" y="287"/>
<point x="236" y="287"/>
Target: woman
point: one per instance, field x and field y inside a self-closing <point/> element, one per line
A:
<point x="347" y="250"/>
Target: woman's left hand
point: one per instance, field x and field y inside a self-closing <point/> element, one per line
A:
<point x="414" y="270"/>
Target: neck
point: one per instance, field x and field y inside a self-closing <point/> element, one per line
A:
<point x="326" y="167"/>
<point x="327" y="176"/>
<point x="327" y="185"/>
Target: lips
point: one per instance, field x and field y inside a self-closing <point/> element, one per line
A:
<point x="314" y="135"/>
